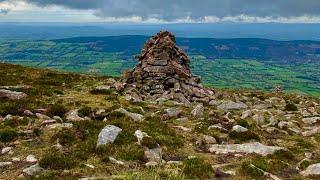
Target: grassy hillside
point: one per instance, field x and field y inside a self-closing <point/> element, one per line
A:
<point x="72" y="152"/>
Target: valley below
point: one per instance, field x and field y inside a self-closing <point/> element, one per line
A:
<point x="221" y="63"/>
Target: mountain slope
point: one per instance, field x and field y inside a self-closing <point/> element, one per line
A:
<point x="194" y="144"/>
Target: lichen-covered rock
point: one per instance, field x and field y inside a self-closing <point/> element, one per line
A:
<point x="311" y="170"/>
<point x="198" y="111"/>
<point x="12" y="95"/>
<point x="248" y="148"/>
<point x="311" y="120"/>
<point x="73" y="115"/>
<point x="108" y="134"/>
<point x="230" y="105"/>
<point x="134" y="116"/>
<point x="33" y="170"/>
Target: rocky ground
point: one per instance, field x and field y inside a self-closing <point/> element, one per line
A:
<point x="66" y="126"/>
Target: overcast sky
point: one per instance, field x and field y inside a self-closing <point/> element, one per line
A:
<point x="160" y="11"/>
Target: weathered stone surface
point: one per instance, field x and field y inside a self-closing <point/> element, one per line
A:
<point x="134" y="116"/>
<point x="108" y="134"/>
<point x="12" y="95"/>
<point x="6" y="150"/>
<point x="239" y="129"/>
<point x="5" y="164"/>
<point x="248" y="148"/>
<point x="313" y="131"/>
<point x="311" y="170"/>
<point x="73" y="115"/>
<point x="31" y="159"/>
<point x="163" y="71"/>
<point x="198" y="111"/>
<point x="311" y="120"/>
<point x="172" y="112"/>
<point x="230" y="105"/>
<point x="209" y="139"/>
<point x="33" y="170"/>
<point x="153" y="155"/>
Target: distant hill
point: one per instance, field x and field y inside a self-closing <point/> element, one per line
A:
<point x="262" y="49"/>
<point x="224" y="63"/>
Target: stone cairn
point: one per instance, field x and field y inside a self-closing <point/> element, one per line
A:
<point x="163" y="71"/>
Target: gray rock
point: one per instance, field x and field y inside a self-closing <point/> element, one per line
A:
<point x="311" y="170"/>
<point x="230" y="105"/>
<point x="42" y="116"/>
<point x="28" y="113"/>
<point x="31" y="159"/>
<point x="140" y="135"/>
<point x="108" y="135"/>
<point x="239" y="129"/>
<point x="313" y="131"/>
<point x="182" y="128"/>
<point x="246" y="114"/>
<point x="33" y="170"/>
<point x="48" y="122"/>
<point x="6" y="150"/>
<point x="73" y="116"/>
<point x="5" y="164"/>
<point x="172" y="112"/>
<point x="151" y="164"/>
<point x="248" y="148"/>
<point x="259" y="119"/>
<point x="114" y="161"/>
<point x="209" y="139"/>
<point x="60" y="126"/>
<point x="134" y="116"/>
<point x="12" y="95"/>
<point x="311" y="120"/>
<point x="198" y="111"/>
<point x="214" y="102"/>
<point x="57" y="118"/>
<point x="153" y="155"/>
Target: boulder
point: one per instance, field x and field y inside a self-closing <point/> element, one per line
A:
<point x="5" y="164"/>
<point x="312" y="170"/>
<point x="311" y="132"/>
<point x="73" y="116"/>
<point x="134" y="116"/>
<point x="6" y="150"/>
<point x="33" y="170"/>
<point x="198" y="111"/>
<point x="209" y="139"/>
<point x="140" y="135"/>
<point x="12" y="95"/>
<point x="108" y="134"/>
<point x="172" y="112"/>
<point x="239" y="129"/>
<point x="259" y="119"/>
<point x="230" y="105"/>
<point x="247" y="148"/>
<point x="311" y="120"/>
<point x="31" y="159"/>
<point x="153" y="155"/>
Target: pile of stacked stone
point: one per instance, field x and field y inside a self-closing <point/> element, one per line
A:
<point x="163" y="71"/>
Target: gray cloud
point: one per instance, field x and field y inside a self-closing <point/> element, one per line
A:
<point x="196" y="9"/>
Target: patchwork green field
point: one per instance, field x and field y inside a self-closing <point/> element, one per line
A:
<point x="104" y="59"/>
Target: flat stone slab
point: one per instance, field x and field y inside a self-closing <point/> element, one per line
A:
<point x="12" y="95"/>
<point x="134" y="116"/>
<point x="311" y="170"/>
<point x="248" y="148"/>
